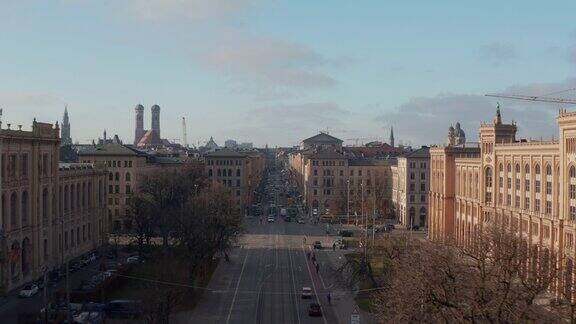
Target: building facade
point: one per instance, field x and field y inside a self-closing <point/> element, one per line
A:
<point x="126" y="168"/>
<point x="240" y="172"/>
<point x="525" y="187"/>
<point x="337" y="182"/>
<point x="411" y="182"/>
<point x="51" y="212"/>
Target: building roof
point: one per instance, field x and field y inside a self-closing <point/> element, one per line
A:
<point x="226" y="153"/>
<point x="326" y="154"/>
<point x="370" y="162"/>
<point x="151" y="137"/>
<point x="423" y="152"/>
<point x="380" y="150"/>
<point x="322" y="138"/>
<point x="111" y="149"/>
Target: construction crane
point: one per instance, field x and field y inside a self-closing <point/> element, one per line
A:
<point x="184" y="135"/>
<point x="538" y="98"/>
<point x="357" y="139"/>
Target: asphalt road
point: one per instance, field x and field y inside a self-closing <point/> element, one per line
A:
<point x="263" y="281"/>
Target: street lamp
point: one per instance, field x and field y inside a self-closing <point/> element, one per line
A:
<point x="348" y="202"/>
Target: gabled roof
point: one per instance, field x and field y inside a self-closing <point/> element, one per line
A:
<point x="322" y="138"/>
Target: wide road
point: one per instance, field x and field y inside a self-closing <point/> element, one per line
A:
<point x="263" y="281"/>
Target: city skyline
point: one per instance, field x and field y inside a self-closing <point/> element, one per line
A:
<point x="259" y="77"/>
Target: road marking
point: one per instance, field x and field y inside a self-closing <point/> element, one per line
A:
<point x="313" y="284"/>
<point x="294" y="285"/>
<point x="236" y="290"/>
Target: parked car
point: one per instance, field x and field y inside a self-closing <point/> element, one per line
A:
<point x="133" y="259"/>
<point x="88" y="318"/>
<point x="28" y="291"/>
<point x="345" y="233"/>
<point x="306" y="293"/>
<point x="314" y="310"/>
<point x="318" y="245"/>
<point x="300" y="221"/>
<point x="270" y="219"/>
<point x="124" y="309"/>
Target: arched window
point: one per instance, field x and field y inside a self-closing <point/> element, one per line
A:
<point x="572" y="172"/>
<point x="210" y="172"/>
<point x="237" y="172"/>
<point x="110" y="177"/>
<point x="128" y="176"/>
<point x="517" y="168"/>
<point x="72" y="197"/>
<point x="229" y="172"/>
<point x="24" y="207"/>
<point x="13" y="210"/>
<point x="508" y="168"/>
<point x="527" y="169"/>
<point x="488" y="177"/>
<point x="537" y="169"/>
<point x="117" y="176"/>
<point x="45" y="205"/>
<point x="66" y="199"/>
<point x="500" y="167"/>
<point x="548" y="170"/>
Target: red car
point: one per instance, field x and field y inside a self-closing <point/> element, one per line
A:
<point x="314" y="310"/>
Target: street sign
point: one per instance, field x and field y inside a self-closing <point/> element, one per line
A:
<point x="355" y="317"/>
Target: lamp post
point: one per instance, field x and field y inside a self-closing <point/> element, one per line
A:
<point x="348" y="202"/>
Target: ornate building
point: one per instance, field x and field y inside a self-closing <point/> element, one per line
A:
<point x="66" y="139"/>
<point x="525" y="187"/>
<point x="51" y="212"/>
<point x="151" y="137"/>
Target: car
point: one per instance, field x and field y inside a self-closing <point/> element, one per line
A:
<point x="28" y="291"/>
<point x="314" y="310"/>
<point x="345" y="233"/>
<point x="300" y="221"/>
<point x="315" y="212"/>
<point x="270" y="219"/>
<point x="306" y="293"/>
<point x="133" y="259"/>
<point x="318" y="245"/>
<point x="124" y="309"/>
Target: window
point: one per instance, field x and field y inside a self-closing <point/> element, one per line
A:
<point x="488" y="175"/>
<point x="423" y="176"/>
<point x="411" y="175"/>
<point x="537" y="205"/>
<point x="572" y="191"/>
<point x="548" y="187"/>
<point x="117" y="189"/>
<point x="128" y="189"/>
<point x="24" y="165"/>
<point x="412" y="187"/>
<point x="422" y="186"/>
<point x="315" y="192"/>
<point x="129" y="176"/>
<point x="517" y="184"/>
<point x="537" y="189"/>
<point x="527" y="185"/>
<point x="548" y="207"/>
<point x="537" y="169"/>
<point x="526" y="203"/>
<point x="117" y="176"/>
<point x="315" y="172"/>
<point x="210" y="172"/>
<point x="411" y="198"/>
<point x="237" y="182"/>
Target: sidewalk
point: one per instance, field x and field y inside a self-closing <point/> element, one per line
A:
<point x="343" y="301"/>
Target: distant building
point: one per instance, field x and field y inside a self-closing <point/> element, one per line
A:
<point x="65" y="138"/>
<point x="126" y="167"/>
<point x="334" y="181"/>
<point x="240" y="172"/>
<point x="411" y="179"/>
<point x="245" y="146"/>
<point x="151" y="137"/>
<point x="231" y="144"/>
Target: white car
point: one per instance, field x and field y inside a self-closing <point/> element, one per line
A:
<point x="133" y="259"/>
<point x="270" y="219"/>
<point x="306" y="292"/>
<point x="28" y="291"/>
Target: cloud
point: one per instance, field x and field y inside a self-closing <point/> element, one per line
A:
<point x="425" y="120"/>
<point x="497" y="53"/>
<point x="277" y="123"/>
<point x="268" y="63"/>
<point x="197" y="10"/>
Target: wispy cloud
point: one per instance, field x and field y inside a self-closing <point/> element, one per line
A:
<point x="425" y="120"/>
<point x="497" y="53"/>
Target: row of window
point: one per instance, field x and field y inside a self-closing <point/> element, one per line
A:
<point x="116" y="164"/>
<point x="223" y="162"/>
<point x="223" y="173"/>
<point x="412" y="165"/>
<point x="18" y="165"/>
<point x="116" y="176"/>
<point x="115" y="189"/>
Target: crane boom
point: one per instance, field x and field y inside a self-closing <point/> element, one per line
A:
<point x="534" y="98"/>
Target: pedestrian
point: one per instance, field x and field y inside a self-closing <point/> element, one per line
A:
<point x="334" y="246"/>
<point x="308" y="255"/>
<point x="329" y="298"/>
<point x="304" y="239"/>
<point x="313" y="258"/>
<point x="317" y="267"/>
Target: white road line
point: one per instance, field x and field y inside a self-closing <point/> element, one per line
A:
<point x="294" y="284"/>
<point x="313" y="285"/>
<point x="236" y="290"/>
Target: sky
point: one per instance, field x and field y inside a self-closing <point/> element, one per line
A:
<point x="275" y="72"/>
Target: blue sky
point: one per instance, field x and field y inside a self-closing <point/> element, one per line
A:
<point x="275" y="72"/>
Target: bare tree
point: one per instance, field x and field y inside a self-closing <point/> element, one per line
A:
<point x="141" y="217"/>
<point x="493" y="279"/>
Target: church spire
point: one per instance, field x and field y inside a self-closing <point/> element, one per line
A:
<point x="498" y="119"/>
<point x="392" y="136"/>
<point x="66" y="139"/>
